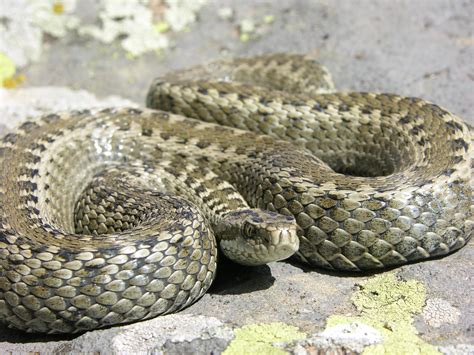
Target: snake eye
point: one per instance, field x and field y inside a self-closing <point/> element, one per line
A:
<point x="249" y="230"/>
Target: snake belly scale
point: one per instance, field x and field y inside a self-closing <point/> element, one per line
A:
<point x="372" y="180"/>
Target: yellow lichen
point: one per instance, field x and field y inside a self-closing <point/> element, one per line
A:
<point x="269" y="19"/>
<point x="399" y="300"/>
<point x="162" y="26"/>
<point x="58" y="7"/>
<point x="244" y="37"/>
<point x="259" y="338"/>
<point x="7" y="67"/>
<point x="402" y="340"/>
<point x="8" y="79"/>
<point x="389" y="304"/>
<point x="13" y="82"/>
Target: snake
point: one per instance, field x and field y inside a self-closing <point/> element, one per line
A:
<point x="110" y="216"/>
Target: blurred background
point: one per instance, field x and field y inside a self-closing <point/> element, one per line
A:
<point x="419" y="48"/>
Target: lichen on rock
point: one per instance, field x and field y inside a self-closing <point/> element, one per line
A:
<point x="260" y="338"/>
<point x="388" y="304"/>
<point x="438" y="312"/>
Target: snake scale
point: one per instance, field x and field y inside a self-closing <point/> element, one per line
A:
<point x="259" y="147"/>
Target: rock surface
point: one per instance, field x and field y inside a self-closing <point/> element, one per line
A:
<point x="422" y="48"/>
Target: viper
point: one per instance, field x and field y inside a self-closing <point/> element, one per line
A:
<point x="115" y="215"/>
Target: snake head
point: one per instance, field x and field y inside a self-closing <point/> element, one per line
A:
<point x="256" y="237"/>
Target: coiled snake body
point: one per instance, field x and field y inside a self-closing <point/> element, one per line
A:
<point x="372" y="180"/>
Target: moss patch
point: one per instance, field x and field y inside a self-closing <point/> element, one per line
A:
<point x="259" y="338"/>
<point x="389" y="304"/>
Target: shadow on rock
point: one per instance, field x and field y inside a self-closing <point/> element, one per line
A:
<point x="234" y="279"/>
<point x="293" y="261"/>
<point x="364" y="273"/>
<point x="17" y="336"/>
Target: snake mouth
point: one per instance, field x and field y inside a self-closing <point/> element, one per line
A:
<point x="280" y="245"/>
<point x="284" y="243"/>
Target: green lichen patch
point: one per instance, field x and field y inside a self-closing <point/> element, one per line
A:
<point x="8" y="79"/>
<point x="385" y="298"/>
<point x="7" y="67"/>
<point x="259" y="338"/>
<point x="402" y="340"/>
<point x="388" y="304"/>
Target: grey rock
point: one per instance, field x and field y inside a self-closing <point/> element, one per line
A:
<point x="201" y="346"/>
<point x="21" y="103"/>
<point x="177" y="333"/>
